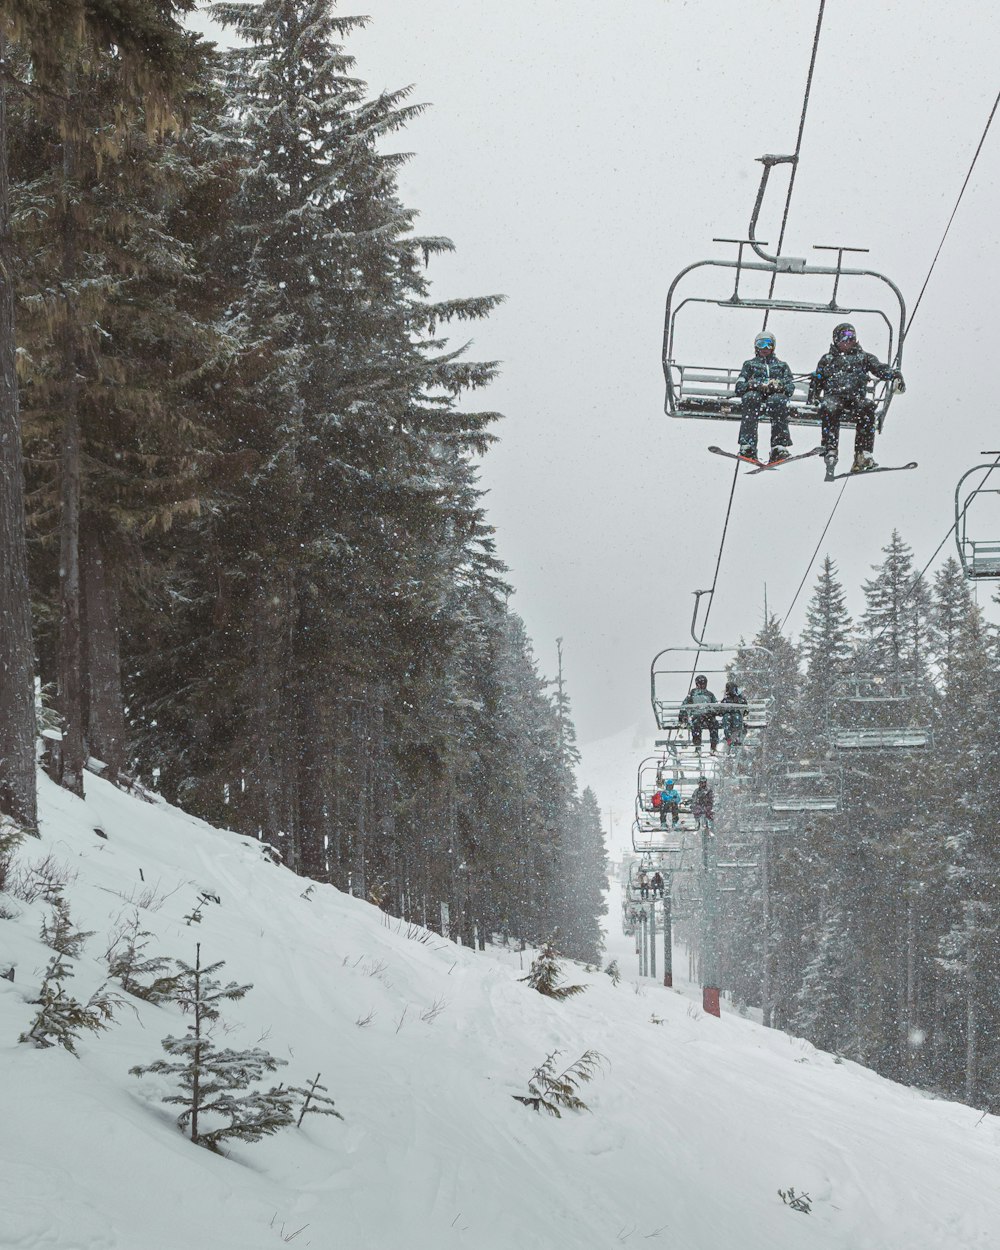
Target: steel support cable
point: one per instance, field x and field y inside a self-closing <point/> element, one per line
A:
<point x="996" y="464"/>
<point x="909" y="327"/>
<point x="968" y="176"/>
<point x="920" y="576"/>
<point x="715" y="575"/>
<point x="781" y="237"/>
<point x="812" y="558"/>
<point x="798" y="148"/>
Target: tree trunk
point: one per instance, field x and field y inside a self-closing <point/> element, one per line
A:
<point x="17" y="695"/>
<point x="105" y="713"/>
<point x="70" y="699"/>
<point x="971" y="1060"/>
<point x="313" y="772"/>
<point x="265" y="780"/>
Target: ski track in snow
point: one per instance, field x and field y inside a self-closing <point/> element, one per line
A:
<point x="694" y="1123"/>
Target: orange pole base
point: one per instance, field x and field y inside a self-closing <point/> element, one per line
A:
<point x="710" y="1000"/>
<point x="668" y="979"/>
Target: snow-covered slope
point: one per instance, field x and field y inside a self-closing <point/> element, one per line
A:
<point x="694" y="1126"/>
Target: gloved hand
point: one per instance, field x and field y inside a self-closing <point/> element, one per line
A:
<point x="899" y="384"/>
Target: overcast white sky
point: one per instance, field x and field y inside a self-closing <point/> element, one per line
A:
<point x="580" y="154"/>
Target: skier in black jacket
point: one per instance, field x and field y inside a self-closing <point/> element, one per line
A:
<point x="765" y="386"/>
<point x="841" y="378"/>
<point x="703" y="705"/>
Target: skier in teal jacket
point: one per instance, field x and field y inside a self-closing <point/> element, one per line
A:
<point x="765" y="386"/>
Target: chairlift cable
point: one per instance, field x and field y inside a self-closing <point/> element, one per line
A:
<point x="812" y="558"/>
<point x="937" y="550"/>
<point x="781" y="237"/>
<point x="715" y="576"/>
<point x="982" y="140"/>
<point x="996" y="464"/>
<point x="798" y="148"/>
<point x="909" y="326"/>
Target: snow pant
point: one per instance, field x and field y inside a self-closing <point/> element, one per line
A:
<point x="644" y="891"/>
<point x="774" y="409"/>
<point x="674" y="811"/>
<point x="833" y="407"/>
<point x="732" y="729"/>
<point x="711" y="724"/>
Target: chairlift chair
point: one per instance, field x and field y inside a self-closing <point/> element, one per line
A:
<point x="707" y="391"/>
<point x="877" y="712"/>
<point x="808" y="787"/>
<point x="654" y="839"/>
<point x="980" y="557"/>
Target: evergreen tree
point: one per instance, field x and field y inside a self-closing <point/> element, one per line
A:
<point x="895" y="630"/>
<point x="214" y="1083"/>
<point x="61" y="1018"/>
<point x="545" y="975"/>
<point x="826" y="647"/>
<point x="148" y="47"/>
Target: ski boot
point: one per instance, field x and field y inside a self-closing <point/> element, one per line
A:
<point x="748" y="450"/>
<point x="863" y="461"/>
<point x="778" y="454"/>
<point x="830" y="460"/>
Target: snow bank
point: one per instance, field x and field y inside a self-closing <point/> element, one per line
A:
<point x="694" y="1126"/>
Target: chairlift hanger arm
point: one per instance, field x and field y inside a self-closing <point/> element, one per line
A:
<point x="709" y="646"/>
<point x="739" y="265"/>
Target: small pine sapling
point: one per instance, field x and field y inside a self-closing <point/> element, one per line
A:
<point x="554" y="1091"/>
<point x="613" y="971"/>
<point x="545" y="975"/>
<point x="61" y="1018"/>
<point x="59" y="933"/>
<point x="313" y="1103"/>
<point x="194" y="915"/>
<point x="213" y="1081"/>
<point x="129" y="964"/>
<point x="798" y="1202"/>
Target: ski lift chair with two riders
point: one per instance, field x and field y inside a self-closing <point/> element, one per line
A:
<point x="707" y="391"/>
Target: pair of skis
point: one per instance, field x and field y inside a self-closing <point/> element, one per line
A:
<point x="761" y="466"/>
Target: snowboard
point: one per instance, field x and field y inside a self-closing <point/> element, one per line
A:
<point x="762" y="466"/>
<point x="889" y="468"/>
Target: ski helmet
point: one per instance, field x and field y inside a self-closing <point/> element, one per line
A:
<point x="765" y="343"/>
<point x="845" y="336"/>
<point x="701" y="680"/>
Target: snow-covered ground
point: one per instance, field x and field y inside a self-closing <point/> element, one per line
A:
<point x="694" y="1124"/>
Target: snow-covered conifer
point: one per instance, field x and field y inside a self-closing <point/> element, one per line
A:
<point x="215" y="1084"/>
<point x="61" y="1018"/>
<point x="545" y="975"/>
<point x="59" y="931"/>
<point x="138" y="973"/>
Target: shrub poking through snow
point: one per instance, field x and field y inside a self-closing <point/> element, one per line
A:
<point x="59" y="932"/>
<point x="313" y="1103"/>
<point x="61" y="1018"/>
<point x="554" y="1091"/>
<point x="613" y="971"/>
<point x="798" y="1202"/>
<point x="139" y="974"/>
<point x="545" y="975"/>
<point x="214" y="1085"/>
